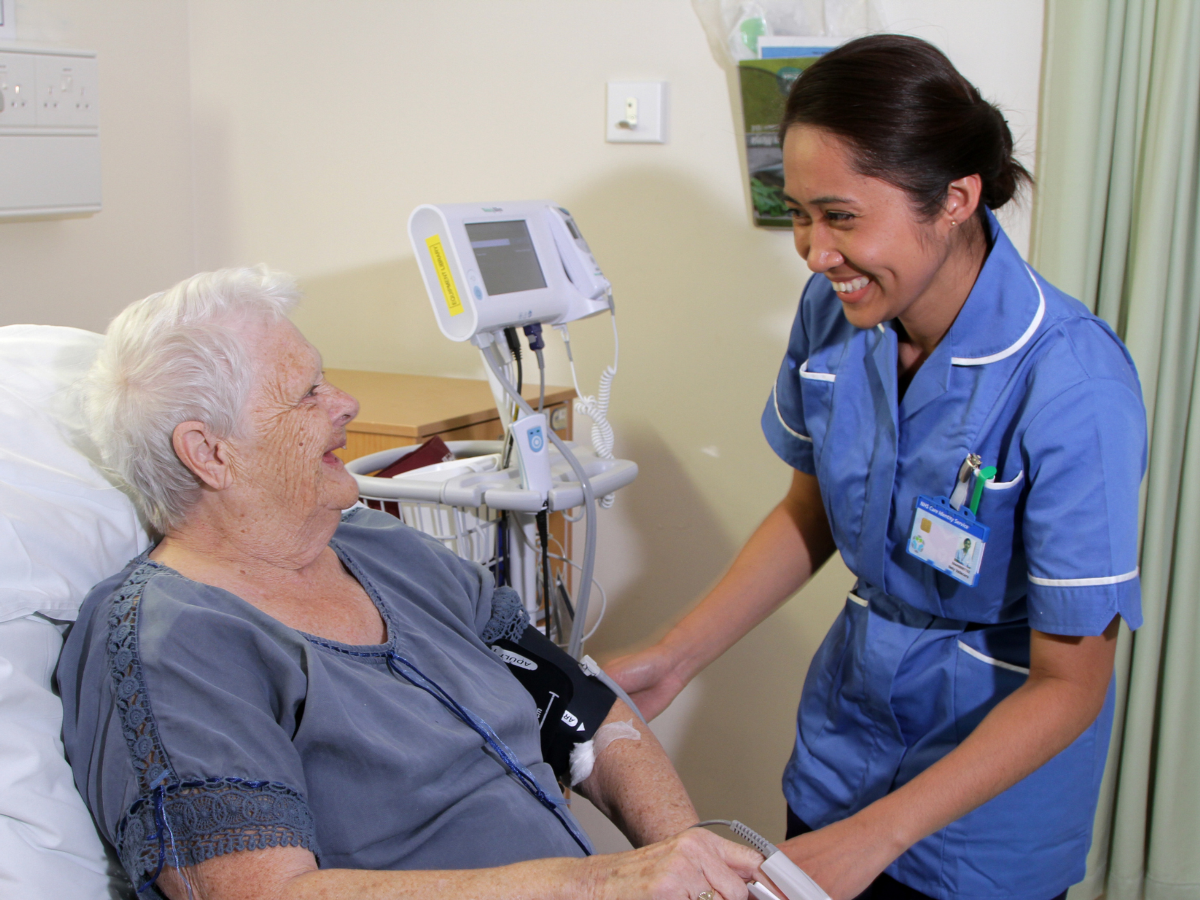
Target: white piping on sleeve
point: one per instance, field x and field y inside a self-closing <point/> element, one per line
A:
<point x="815" y="376"/>
<point x="999" y="664"/>
<point x="1021" y="341"/>
<point x="790" y="430"/>
<point x="1084" y="582"/>
<point x="854" y="598"/>
<point x="1004" y="485"/>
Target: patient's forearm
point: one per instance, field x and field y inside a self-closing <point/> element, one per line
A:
<point x="291" y="874"/>
<point x="533" y="880"/>
<point x="635" y="785"/>
<point x="676" y="869"/>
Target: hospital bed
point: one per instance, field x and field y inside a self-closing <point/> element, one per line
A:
<point x="63" y="527"/>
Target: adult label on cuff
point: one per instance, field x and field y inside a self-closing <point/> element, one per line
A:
<point x="950" y="540"/>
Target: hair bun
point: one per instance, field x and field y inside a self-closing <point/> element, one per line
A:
<point x="910" y="119"/>
<point x="1006" y="174"/>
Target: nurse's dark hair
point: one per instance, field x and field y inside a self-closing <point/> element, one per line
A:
<point x="910" y="119"/>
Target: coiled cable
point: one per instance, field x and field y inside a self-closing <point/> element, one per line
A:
<point x="596" y="407"/>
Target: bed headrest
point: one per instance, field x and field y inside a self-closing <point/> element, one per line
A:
<point x="63" y="526"/>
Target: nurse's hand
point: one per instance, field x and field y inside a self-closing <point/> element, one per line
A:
<point x="843" y="858"/>
<point x="791" y="543"/>
<point x="650" y="677"/>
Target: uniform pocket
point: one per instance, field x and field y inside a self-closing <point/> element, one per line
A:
<point x="816" y="392"/>
<point x="999" y="506"/>
<point x="980" y="682"/>
<point x="1034" y="836"/>
<point x="1002" y="570"/>
<point x="808" y="374"/>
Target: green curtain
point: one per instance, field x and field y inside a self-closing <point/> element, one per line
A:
<point x="1117" y="224"/>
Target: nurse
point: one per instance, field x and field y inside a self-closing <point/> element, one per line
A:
<point x="953" y="726"/>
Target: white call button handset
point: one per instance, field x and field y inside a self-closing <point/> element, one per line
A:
<point x="787" y="876"/>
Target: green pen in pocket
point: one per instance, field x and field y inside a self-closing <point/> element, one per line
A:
<point x="982" y="476"/>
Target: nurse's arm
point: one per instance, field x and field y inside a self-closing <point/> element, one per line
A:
<point x="1064" y="693"/>
<point x="635" y="785"/>
<point x="787" y="548"/>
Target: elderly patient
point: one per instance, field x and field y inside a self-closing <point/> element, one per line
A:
<point x="264" y="704"/>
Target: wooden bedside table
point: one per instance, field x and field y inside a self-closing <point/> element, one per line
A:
<point x="401" y="410"/>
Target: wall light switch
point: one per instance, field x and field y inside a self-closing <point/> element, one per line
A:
<point x="637" y="112"/>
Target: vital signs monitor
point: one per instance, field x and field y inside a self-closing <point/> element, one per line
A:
<point x="498" y="265"/>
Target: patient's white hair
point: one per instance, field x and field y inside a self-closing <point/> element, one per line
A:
<point x="178" y="356"/>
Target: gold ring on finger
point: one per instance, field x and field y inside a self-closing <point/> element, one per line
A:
<point x="705" y="895"/>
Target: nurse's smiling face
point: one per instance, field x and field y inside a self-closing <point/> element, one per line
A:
<point x="883" y="258"/>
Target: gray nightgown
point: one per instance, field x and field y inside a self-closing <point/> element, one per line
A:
<point x="186" y="707"/>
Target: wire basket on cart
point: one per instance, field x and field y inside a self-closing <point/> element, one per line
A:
<point x="480" y="511"/>
<point x="472" y="532"/>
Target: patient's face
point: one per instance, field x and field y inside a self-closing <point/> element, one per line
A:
<point x="295" y="420"/>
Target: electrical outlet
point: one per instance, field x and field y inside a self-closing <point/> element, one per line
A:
<point x="49" y="132"/>
<point x="637" y="112"/>
<point x="17" y="103"/>
<point x="66" y="91"/>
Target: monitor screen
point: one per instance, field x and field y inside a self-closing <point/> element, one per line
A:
<point x="506" y="256"/>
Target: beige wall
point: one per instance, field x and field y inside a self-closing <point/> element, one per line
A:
<point x="315" y="128"/>
<point x="82" y="271"/>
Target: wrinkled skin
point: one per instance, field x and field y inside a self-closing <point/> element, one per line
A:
<point x="295" y="419"/>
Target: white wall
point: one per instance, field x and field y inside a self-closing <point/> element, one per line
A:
<point x="315" y="128"/>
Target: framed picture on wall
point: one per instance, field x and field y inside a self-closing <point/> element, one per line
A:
<point x="765" y="83"/>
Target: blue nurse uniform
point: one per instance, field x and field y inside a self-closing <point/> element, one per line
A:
<point x="1041" y="389"/>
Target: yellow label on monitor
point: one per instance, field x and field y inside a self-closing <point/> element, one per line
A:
<point x="442" y="266"/>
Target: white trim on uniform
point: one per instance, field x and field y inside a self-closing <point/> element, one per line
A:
<point x="790" y="430"/>
<point x="1003" y="485"/>
<point x="999" y="664"/>
<point x="854" y="598"/>
<point x="1021" y="341"/>
<point x="815" y="376"/>
<point x="1084" y="582"/>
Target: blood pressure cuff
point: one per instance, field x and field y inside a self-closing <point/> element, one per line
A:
<point x="571" y="704"/>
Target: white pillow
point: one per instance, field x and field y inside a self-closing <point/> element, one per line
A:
<point x="63" y="527"/>
<point x="49" y="846"/>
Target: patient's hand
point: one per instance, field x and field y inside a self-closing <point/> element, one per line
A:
<point x="679" y="868"/>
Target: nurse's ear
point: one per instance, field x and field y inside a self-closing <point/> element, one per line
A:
<point x="962" y="200"/>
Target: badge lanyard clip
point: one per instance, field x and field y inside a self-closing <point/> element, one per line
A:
<point x="962" y="482"/>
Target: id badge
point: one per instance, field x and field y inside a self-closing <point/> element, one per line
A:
<point x="950" y="540"/>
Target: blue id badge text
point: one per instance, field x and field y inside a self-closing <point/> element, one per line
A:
<point x="950" y="540"/>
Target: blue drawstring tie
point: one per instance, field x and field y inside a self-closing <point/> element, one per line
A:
<point x="160" y="822"/>
<point x="527" y="780"/>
